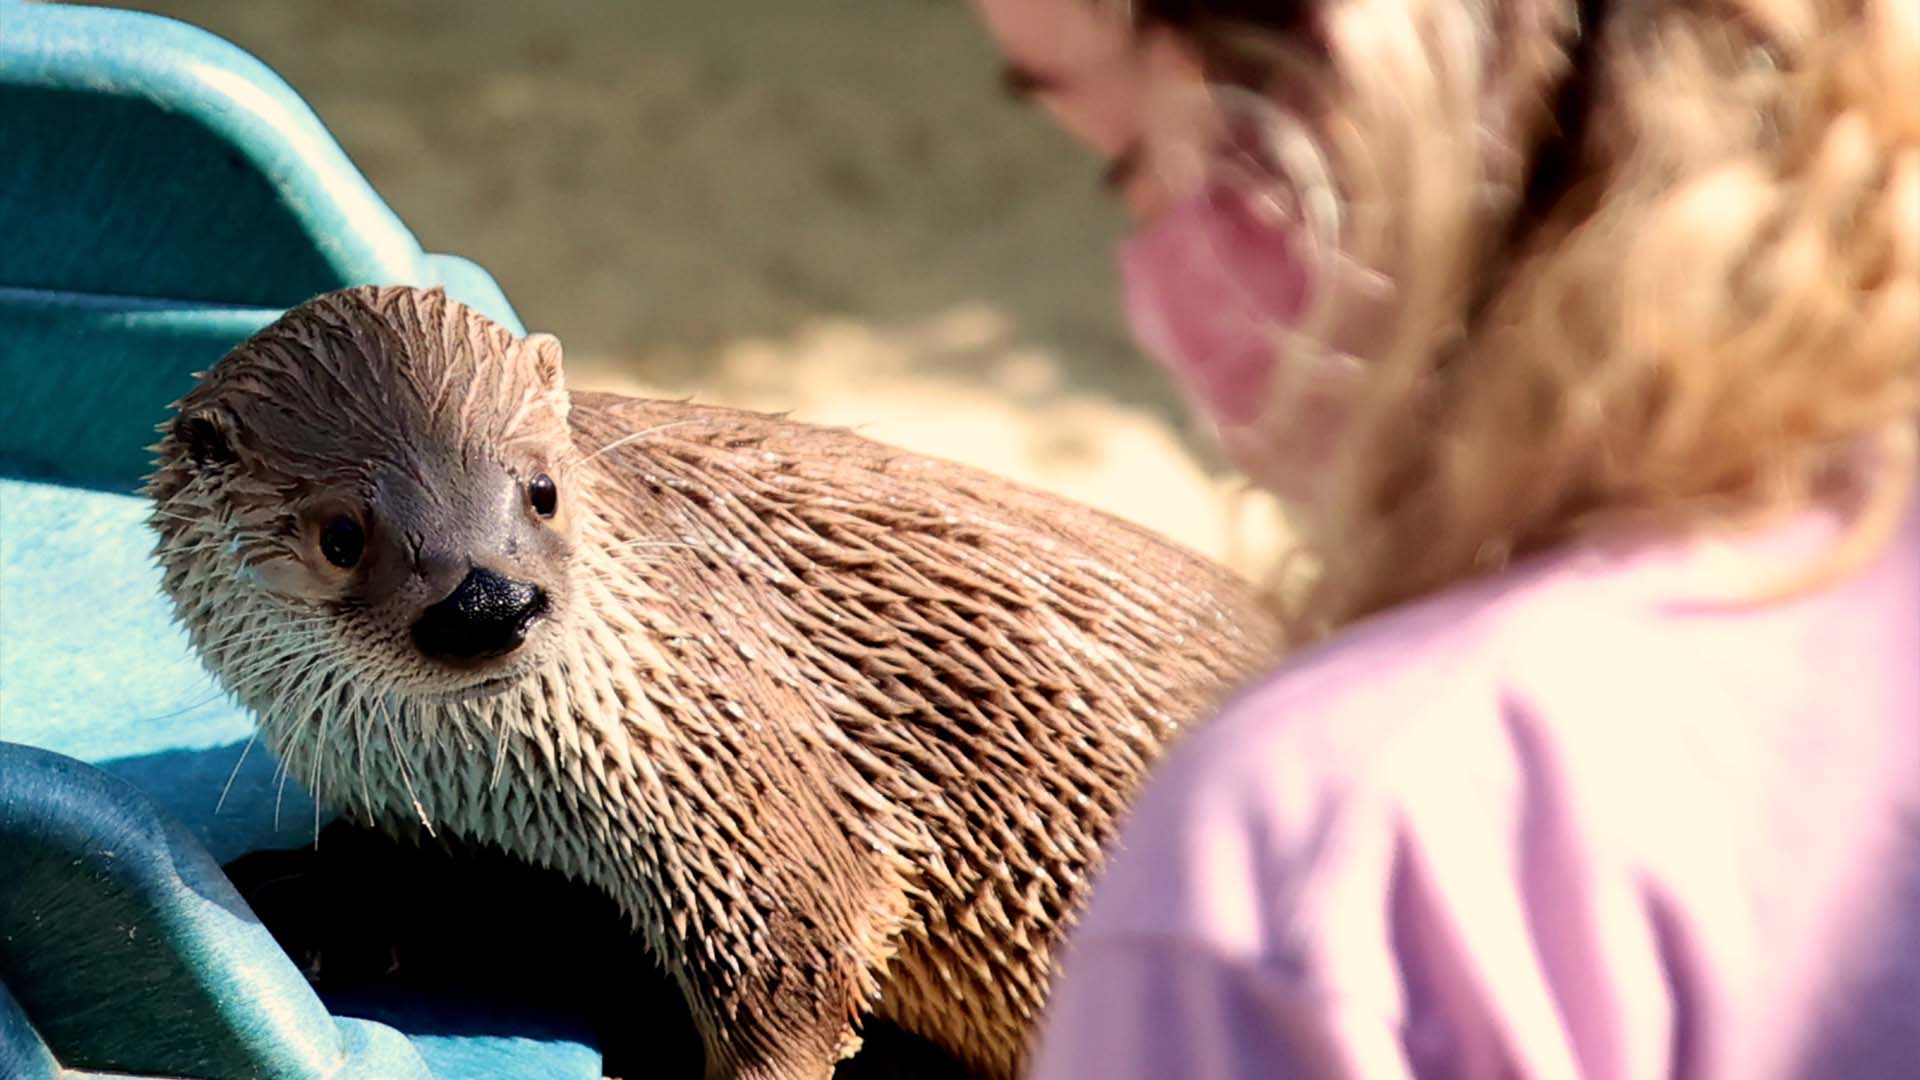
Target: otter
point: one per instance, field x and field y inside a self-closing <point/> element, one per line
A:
<point x="841" y="728"/>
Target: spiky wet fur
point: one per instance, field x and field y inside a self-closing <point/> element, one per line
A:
<point x="842" y="728"/>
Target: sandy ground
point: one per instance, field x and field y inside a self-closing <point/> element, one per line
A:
<point x="825" y="207"/>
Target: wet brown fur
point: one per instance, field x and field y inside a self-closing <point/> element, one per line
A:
<point x="841" y="727"/>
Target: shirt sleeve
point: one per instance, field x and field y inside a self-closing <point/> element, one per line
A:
<point x="1241" y="927"/>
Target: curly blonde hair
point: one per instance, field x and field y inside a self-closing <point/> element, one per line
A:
<point x="1656" y="265"/>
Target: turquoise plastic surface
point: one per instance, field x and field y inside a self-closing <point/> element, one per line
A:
<point x="92" y="667"/>
<point x="162" y="196"/>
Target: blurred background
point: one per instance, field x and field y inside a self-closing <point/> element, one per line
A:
<point x="826" y="207"/>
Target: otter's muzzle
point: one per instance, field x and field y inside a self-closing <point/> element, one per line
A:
<point x="487" y="616"/>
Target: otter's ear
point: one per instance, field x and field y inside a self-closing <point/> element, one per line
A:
<point x="546" y="361"/>
<point x="206" y="439"/>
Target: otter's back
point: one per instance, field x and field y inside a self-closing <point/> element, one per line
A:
<point x="1002" y="664"/>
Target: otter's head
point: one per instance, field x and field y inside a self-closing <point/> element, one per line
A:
<point x="371" y="499"/>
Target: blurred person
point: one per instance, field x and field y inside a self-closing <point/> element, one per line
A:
<point x="1584" y="340"/>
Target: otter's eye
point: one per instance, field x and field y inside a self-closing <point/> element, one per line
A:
<point x="543" y="495"/>
<point x="342" y="541"/>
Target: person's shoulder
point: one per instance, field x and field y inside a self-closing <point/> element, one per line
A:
<point x="1415" y="709"/>
<point x="1588" y="676"/>
<point x="1615" y="630"/>
<point x="1311" y="764"/>
<point x="1429" y="670"/>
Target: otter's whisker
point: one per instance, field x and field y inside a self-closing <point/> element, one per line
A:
<point x="248" y="631"/>
<point x="406" y="774"/>
<point x="641" y="434"/>
<point x="280" y="790"/>
<point x="360" y="756"/>
<point x="499" y="753"/>
<point x="220" y="538"/>
<point x="190" y="519"/>
<point x="274" y="654"/>
<point x="234" y="773"/>
<point x="218" y="692"/>
<point x="313" y="770"/>
<point x="196" y="548"/>
<point x="621" y="575"/>
<point x="680" y="544"/>
<point x="290" y="690"/>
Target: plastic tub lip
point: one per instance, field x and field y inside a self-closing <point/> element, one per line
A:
<point x="129" y="339"/>
<point x="205" y="952"/>
<point x="242" y="102"/>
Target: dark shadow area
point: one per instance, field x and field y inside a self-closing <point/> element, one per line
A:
<point x="442" y="938"/>
<point x="1879" y="991"/>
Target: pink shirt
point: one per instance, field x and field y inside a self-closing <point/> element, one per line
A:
<point x="1561" y="823"/>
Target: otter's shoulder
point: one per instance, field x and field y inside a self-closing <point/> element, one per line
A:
<point x="861" y="465"/>
<point x="602" y="420"/>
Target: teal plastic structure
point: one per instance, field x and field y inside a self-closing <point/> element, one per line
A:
<point x="162" y="195"/>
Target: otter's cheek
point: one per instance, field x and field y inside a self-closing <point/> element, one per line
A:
<point x="285" y="577"/>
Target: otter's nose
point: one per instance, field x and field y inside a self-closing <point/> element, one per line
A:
<point x="486" y="616"/>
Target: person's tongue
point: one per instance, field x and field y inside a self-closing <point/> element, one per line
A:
<point x="1208" y="285"/>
